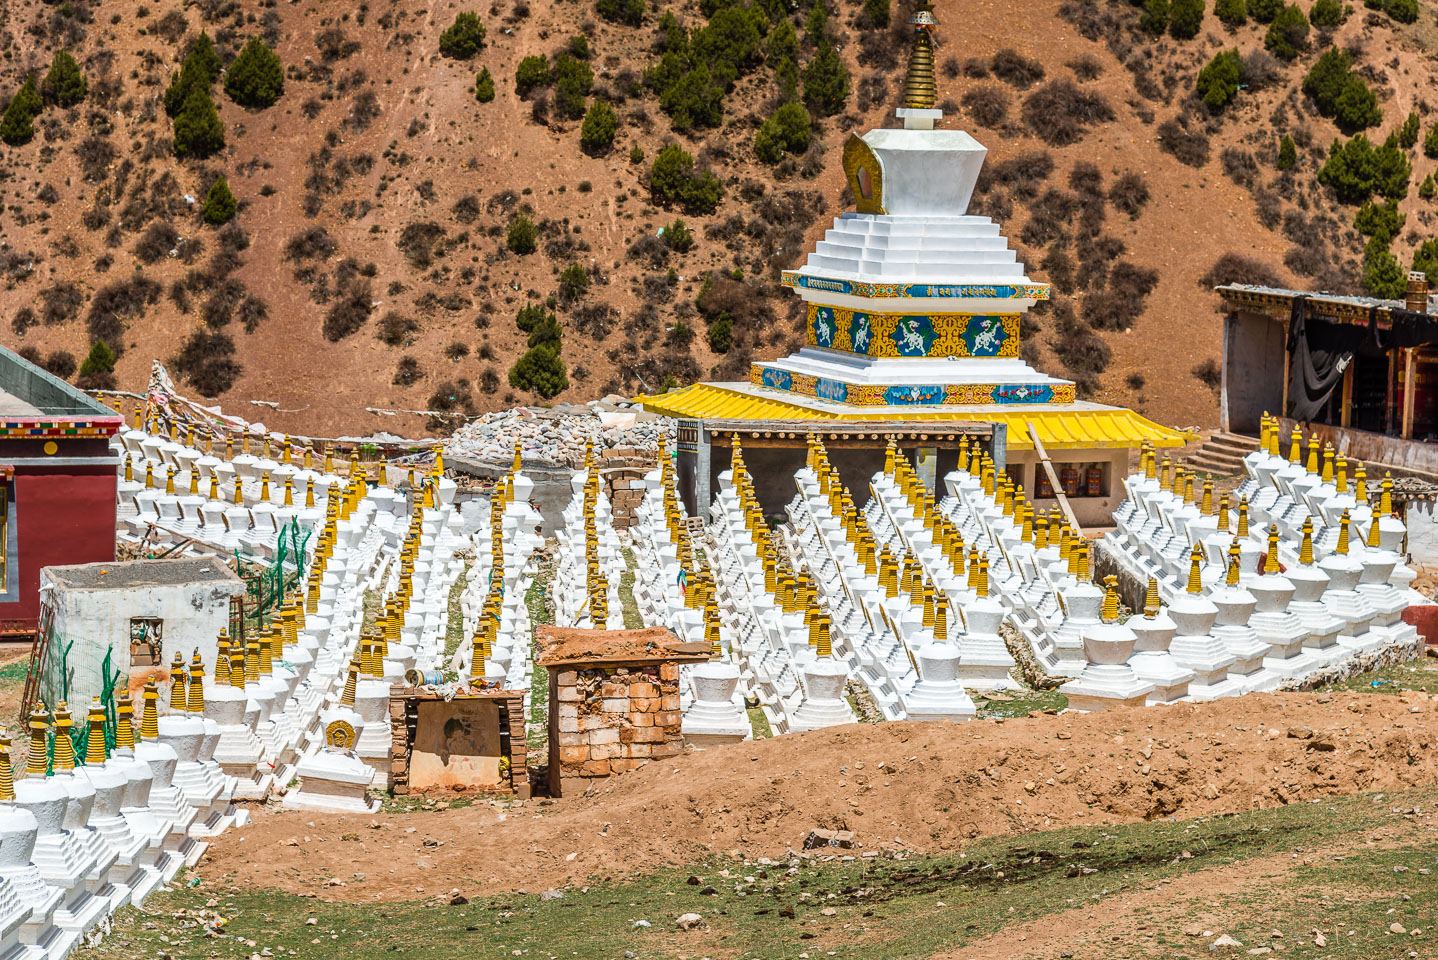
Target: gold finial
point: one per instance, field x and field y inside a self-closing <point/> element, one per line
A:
<point x="1328" y="463"/>
<point x="1385" y="498"/>
<point x="1270" y="559"/>
<point x="1305" y="552"/>
<point x="1206" y="507"/>
<point x="1110" y="599"/>
<point x="150" y="717"/>
<point x="1295" y="445"/>
<point x="7" y="768"/>
<point x="1195" y="574"/>
<point x="124" y="721"/>
<point x="1343" y="535"/>
<point x="196" y="701"/>
<point x="1360" y="490"/>
<point x="1223" y="513"/>
<point x="1150" y="599"/>
<point x="64" y="745"/>
<point x="983" y="578"/>
<point x="95" y="734"/>
<point x="1312" y="465"/>
<point x="351" y="682"/>
<point x="1242" y="529"/>
<point x="1234" y="552"/>
<point x="1341" y="481"/>
<point x="37" y="763"/>
<point x="921" y="92"/>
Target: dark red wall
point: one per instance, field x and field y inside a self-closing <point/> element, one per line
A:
<point x="63" y="515"/>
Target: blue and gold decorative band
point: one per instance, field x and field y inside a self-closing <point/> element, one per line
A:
<point x="880" y="395"/>
<point x="938" y="335"/>
<point x="959" y="291"/>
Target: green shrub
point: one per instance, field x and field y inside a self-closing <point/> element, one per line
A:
<point x="220" y="204"/>
<point x="1232" y="12"/>
<point x="1185" y="18"/>
<point x="678" y="237"/>
<point x="1356" y="171"/>
<point x="1326" y="13"/>
<point x="579" y="47"/>
<point x="1425" y="258"/>
<point x="17" y="125"/>
<point x="782" y="43"/>
<point x="1154" y="18"/>
<point x="65" y="83"/>
<point x="1218" y="81"/>
<point x="1430" y="142"/>
<point x="1340" y="93"/>
<point x="540" y="371"/>
<point x="876" y="12"/>
<point x="531" y="317"/>
<point x="673" y="180"/>
<point x="596" y="134"/>
<point x="484" y="86"/>
<point x="826" y="83"/>
<point x="1288" y="33"/>
<point x="1404" y="11"/>
<point x="1391" y="169"/>
<point x="730" y="44"/>
<point x="636" y="154"/>
<point x="523" y="236"/>
<point x="532" y="72"/>
<point x="1379" y="220"/>
<point x="463" y="38"/>
<point x="573" y="282"/>
<point x="198" y="129"/>
<point x="1357" y="107"/>
<point x="786" y="131"/>
<point x="621" y="11"/>
<point x="1287" y="153"/>
<point x="101" y="359"/>
<point x="695" y="100"/>
<point x="572" y="82"/>
<point x="1382" y="275"/>
<point x="816" y="25"/>
<point x="256" y="78"/>
<point x="721" y="332"/>
<point x="1408" y="133"/>
<point x="1264" y="10"/>
<point x="201" y="67"/>
<point x="1426" y="189"/>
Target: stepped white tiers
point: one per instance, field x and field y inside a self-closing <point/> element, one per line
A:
<point x="1107" y="679"/>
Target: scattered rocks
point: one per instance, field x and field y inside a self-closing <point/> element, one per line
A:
<point x="843" y="839"/>
<point x="558" y="435"/>
<point x="1224" y="941"/>
<point x="689" y="921"/>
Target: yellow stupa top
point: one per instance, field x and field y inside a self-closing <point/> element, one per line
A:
<point x="196" y="701"/>
<point x="920" y="89"/>
<point x="177" y="683"/>
<point x="1195" y="570"/>
<point x="1360" y="477"/>
<point x="1312" y="465"/>
<point x="95" y="734"/>
<point x="1328" y="463"/>
<point x="1295" y="445"/>
<point x="1343" y="535"/>
<point x="1232" y="573"/>
<point x="37" y="763"/>
<point x="1341" y="481"/>
<point x="1242" y="529"/>
<point x="982" y="584"/>
<point x="351" y="682"/>
<point x="64" y="742"/>
<point x="1110" y="599"/>
<point x="150" y="715"/>
<point x="1223" y="513"/>
<point x="1150" y="599"/>
<point x="1305" y="552"/>
<point x="124" y="721"/>
<point x="1385" y="497"/>
<point x="1270" y="558"/>
<point x="7" y="768"/>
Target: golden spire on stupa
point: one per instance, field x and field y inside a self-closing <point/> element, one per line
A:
<point x="920" y="90"/>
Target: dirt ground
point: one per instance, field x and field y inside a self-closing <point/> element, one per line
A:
<point x="922" y="787"/>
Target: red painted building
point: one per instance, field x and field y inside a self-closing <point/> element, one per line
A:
<point x="58" y="477"/>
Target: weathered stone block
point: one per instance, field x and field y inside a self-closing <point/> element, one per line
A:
<point x="577" y="754"/>
<point x="606" y="735"/>
<point x="595" y="768"/>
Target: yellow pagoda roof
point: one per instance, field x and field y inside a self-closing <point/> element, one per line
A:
<point x="1060" y="427"/>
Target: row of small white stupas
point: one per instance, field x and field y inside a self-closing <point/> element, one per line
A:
<point x="906" y="597"/>
<point x="585" y="586"/>
<point x="103" y="815"/>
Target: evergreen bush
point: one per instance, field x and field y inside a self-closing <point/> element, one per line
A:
<point x="1326" y="13"/>
<point x="826" y="83"/>
<point x="1154" y="18"/>
<point x="1288" y="33"/>
<point x="1264" y="10"/>
<point x="1408" y="133"/>
<point x="65" y="83"/>
<point x="1218" y="80"/>
<point x="596" y="134"/>
<point x="573" y="79"/>
<point x="463" y="38"/>
<point x="1185" y="18"/>
<point x="533" y="71"/>
<point x="200" y="67"/>
<point x="673" y="180"/>
<point x="1382" y="275"/>
<point x="198" y="129"/>
<point x="523" y="236"/>
<point x="1232" y="12"/>
<point x="786" y="131"/>
<point x="484" y="86"/>
<point x="540" y="371"/>
<point x="1287" y="153"/>
<point x="256" y="78"/>
<point x="17" y="125"/>
<point x="629" y="12"/>
<point x="220" y="203"/>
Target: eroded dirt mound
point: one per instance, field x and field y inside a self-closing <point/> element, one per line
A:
<point x="926" y="787"/>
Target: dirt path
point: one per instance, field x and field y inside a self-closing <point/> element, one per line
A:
<point x="924" y="787"/>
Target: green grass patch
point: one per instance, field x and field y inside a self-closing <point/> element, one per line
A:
<point x="541" y="612"/>
<point x="628" y="606"/>
<point x="1420" y="674"/>
<point x="454" y="625"/>
<point x="863" y="909"/>
<point x="760" y="723"/>
<point x="1019" y="703"/>
<point x="13" y="674"/>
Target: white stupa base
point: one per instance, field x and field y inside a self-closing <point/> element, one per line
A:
<point x="1158" y="668"/>
<point x="1364" y="644"/>
<point x="1103" y="686"/>
<point x="817" y="714"/>
<point x="333" y="782"/>
<point x="939" y="700"/>
<point x="709" y="723"/>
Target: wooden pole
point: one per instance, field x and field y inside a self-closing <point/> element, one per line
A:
<point x="1048" y="468"/>
<point x="1410" y="377"/>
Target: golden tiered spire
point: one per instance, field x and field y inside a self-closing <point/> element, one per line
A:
<point x="7" y="769"/>
<point x="64" y="745"/>
<point x="1150" y="599"/>
<point x="920" y="90"/>
<point x="1270" y="559"/>
<point x="150" y="718"/>
<point x="1343" y="535"/>
<point x="95" y="734"/>
<point x="37" y="762"/>
<point x="1195" y="575"/>
<point x="1110" y="599"/>
<point x="124" y="721"/>
<point x="177" y="684"/>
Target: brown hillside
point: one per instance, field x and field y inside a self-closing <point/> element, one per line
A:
<point x="82" y="194"/>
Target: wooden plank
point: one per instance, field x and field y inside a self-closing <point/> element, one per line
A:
<point x="1053" y="476"/>
<point x="1410" y="391"/>
<point x="1346" y="418"/>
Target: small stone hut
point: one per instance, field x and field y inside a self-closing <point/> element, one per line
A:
<point x="613" y="700"/>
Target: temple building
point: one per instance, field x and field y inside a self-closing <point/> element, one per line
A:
<point x="57" y="485"/>
<point x="913" y="310"/>
<point x="1357" y="372"/>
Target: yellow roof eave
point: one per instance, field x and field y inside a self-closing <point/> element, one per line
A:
<point x="1061" y="428"/>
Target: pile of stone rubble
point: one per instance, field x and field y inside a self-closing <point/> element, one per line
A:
<point x="558" y="435"/>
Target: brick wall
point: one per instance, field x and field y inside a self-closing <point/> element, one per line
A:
<point x="607" y="720"/>
<point x="404" y="718"/>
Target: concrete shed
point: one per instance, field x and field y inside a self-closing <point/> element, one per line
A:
<point x="140" y="612"/>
